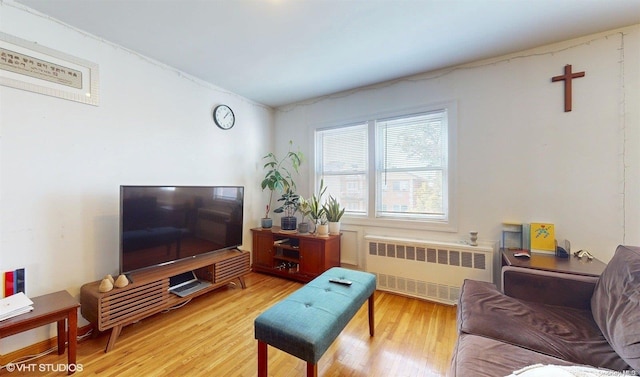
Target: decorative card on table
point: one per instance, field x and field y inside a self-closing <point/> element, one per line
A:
<point x="543" y="237"/>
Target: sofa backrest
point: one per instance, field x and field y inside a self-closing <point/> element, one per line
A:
<point x="615" y="304"/>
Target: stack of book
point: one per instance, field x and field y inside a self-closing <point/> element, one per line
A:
<point x="15" y="305"/>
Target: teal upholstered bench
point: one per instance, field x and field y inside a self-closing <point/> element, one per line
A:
<point x="306" y="322"/>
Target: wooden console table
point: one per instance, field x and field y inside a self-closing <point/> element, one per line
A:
<point x="58" y="307"/>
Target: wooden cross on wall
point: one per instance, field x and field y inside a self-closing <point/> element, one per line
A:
<point x="567" y="77"/>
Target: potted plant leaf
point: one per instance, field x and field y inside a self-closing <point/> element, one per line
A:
<point x="334" y="213"/>
<point x="279" y="174"/>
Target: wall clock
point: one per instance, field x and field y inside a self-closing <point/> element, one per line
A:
<point x="224" y="117"/>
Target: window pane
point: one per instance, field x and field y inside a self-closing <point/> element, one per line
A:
<point x="350" y="190"/>
<point x="411" y="158"/>
<point x="342" y="153"/>
<point x="415" y="194"/>
<point x="344" y="149"/>
<point x="414" y="142"/>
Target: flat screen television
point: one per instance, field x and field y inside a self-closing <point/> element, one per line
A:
<point x="165" y="224"/>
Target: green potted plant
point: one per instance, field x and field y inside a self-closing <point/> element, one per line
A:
<point x="322" y="227"/>
<point x="290" y="201"/>
<point x="334" y="213"/>
<point x="279" y="176"/>
<point x="305" y="209"/>
<point x="316" y="210"/>
<point x="266" y="221"/>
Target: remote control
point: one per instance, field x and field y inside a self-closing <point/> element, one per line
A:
<point x="340" y="281"/>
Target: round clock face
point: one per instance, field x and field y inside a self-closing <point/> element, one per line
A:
<point x="224" y="117"/>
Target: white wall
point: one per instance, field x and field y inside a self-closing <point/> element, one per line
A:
<point x="520" y="157"/>
<point x="62" y="162"/>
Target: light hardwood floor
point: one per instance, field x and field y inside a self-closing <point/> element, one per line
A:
<point x="213" y="336"/>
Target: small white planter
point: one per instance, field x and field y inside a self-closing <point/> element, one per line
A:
<point x="323" y="230"/>
<point x="334" y="227"/>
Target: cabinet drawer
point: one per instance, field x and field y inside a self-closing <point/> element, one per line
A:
<point x="231" y="268"/>
<point x="121" y="307"/>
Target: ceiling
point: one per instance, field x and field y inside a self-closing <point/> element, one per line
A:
<point x="277" y="52"/>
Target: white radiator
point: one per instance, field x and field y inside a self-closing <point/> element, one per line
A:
<point x="425" y="269"/>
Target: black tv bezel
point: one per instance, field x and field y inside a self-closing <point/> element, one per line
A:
<point x="120" y="228"/>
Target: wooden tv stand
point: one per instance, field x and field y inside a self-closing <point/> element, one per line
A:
<point x="148" y="294"/>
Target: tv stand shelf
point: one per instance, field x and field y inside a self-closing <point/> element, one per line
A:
<point x="148" y="293"/>
<point x="294" y="256"/>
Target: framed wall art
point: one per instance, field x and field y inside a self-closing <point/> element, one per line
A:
<point x="29" y="66"/>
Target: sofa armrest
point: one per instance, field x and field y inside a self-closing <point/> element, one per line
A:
<point x="551" y="288"/>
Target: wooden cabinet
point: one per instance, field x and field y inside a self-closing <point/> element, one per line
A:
<point x="311" y="257"/>
<point x="148" y="293"/>
<point x="263" y="249"/>
<point x="295" y="256"/>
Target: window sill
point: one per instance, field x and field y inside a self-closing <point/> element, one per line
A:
<point x="438" y="226"/>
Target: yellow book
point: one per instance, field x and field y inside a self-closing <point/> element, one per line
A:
<point x="543" y="237"/>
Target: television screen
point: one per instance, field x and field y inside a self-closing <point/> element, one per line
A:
<point x="163" y="224"/>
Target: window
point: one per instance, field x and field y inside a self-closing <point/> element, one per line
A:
<point x="395" y="168"/>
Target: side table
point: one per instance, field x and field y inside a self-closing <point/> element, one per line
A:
<point x="536" y="278"/>
<point x="58" y="307"/>
<point x="549" y="262"/>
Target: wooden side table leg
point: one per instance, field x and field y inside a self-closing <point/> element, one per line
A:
<point x="115" y="332"/>
<point x="262" y="359"/>
<point x="62" y="335"/>
<point x="371" y="315"/>
<point x="73" y="339"/>
<point x="312" y="369"/>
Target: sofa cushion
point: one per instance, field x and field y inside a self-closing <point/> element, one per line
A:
<point x="565" y="333"/>
<point x="478" y="356"/>
<point x="615" y="304"/>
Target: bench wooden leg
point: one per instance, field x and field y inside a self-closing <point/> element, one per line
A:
<point x="312" y="370"/>
<point x="371" y="319"/>
<point x="62" y="336"/>
<point x="262" y="359"/>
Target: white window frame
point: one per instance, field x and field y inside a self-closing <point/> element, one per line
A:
<point x="449" y="222"/>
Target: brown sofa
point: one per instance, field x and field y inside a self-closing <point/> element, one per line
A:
<point x="559" y="319"/>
